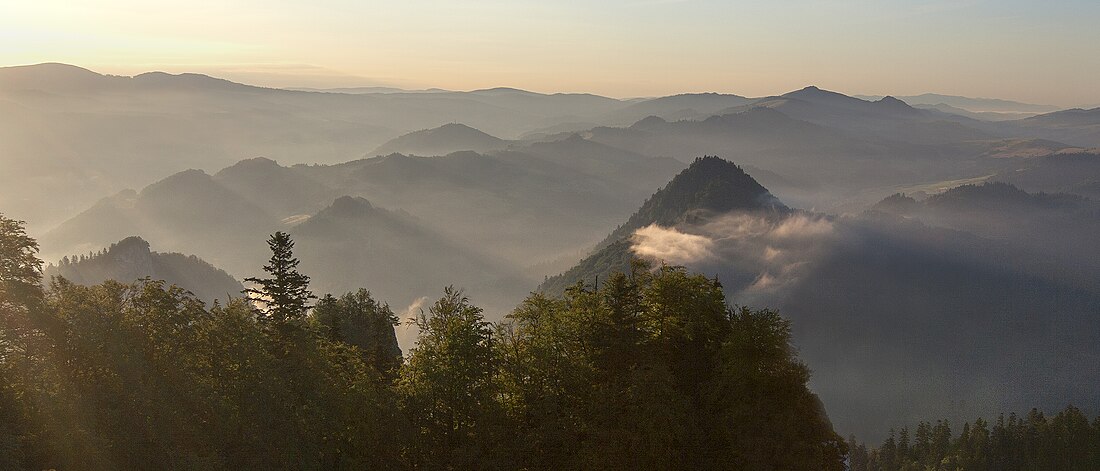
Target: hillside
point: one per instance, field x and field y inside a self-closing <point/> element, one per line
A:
<point x="1057" y="227"/>
<point x="446" y="139"/>
<point x="544" y="201"/>
<point x="707" y="187"/>
<point x="131" y="259"/>
<point x="1076" y="127"/>
<point x="188" y="212"/>
<point x="677" y="107"/>
<point x="1055" y="173"/>
<point x="976" y="105"/>
<point x="278" y="190"/>
<point x="352" y="244"/>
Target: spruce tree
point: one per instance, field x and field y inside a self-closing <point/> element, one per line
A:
<point x="283" y="297"/>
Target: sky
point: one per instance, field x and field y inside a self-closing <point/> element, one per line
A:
<point x="1036" y="51"/>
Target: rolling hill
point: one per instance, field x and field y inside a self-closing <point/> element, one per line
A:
<point x="446" y="139"/>
<point x="131" y="259"/>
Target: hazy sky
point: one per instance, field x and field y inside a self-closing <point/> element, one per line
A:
<point x="1039" y="51"/>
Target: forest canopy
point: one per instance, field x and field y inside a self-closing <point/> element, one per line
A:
<point x="650" y="369"/>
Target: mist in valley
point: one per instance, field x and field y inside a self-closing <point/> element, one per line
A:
<point x="484" y="276"/>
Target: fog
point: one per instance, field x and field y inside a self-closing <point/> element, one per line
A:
<point x="955" y="300"/>
<point x="889" y="310"/>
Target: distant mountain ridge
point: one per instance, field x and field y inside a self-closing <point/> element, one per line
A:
<point x="74" y="135"/>
<point x="446" y="139"/>
<point x="974" y="105"/>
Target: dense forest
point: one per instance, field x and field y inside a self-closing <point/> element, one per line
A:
<point x="650" y="370"/>
<point x="1033" y="442"/>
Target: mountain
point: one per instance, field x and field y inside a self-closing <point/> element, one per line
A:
<point x="893" y="311"/>
<point x="51" y="76"/>
<point x="280" y="191"/>
<point x="446" y="139"/>
<point x="887" y="118"/>
<point x="980" y="115"/>
<point x="710" y="185"/>
<point x="71" y="136"/>
<point x="1057" y="228"/>
<point x="1076" y="127"/>
<point x="632" y="173"/>
<point x="131" y="259"/>
<point x="974" y="105"/>
<point x="353" y="244"/>
<point x="532" y="204"/>
<point x="188" y="212"/>
<point x="934" y="304"/>
<point x="677" y="107"/>
<point x="822" y="149"/>
<point x="1065" y="172"/>
<point x="823" y="165"/>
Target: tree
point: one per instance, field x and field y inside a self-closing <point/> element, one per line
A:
<point x="448" y="389"/>
<point x="358" y="320"/>
<point x="20" y="295"/>
<point x="20" y="268"/>
<point x="284" y="296"/>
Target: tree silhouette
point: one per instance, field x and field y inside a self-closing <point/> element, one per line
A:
<point x="284" y="296"/>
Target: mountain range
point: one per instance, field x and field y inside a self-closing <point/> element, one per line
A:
<point x="943" y="260"/>
<point x="75" y="136"/>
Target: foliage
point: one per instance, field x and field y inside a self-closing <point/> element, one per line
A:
<point x="357" y="319"/>
<point x="1067" y="441"/>
<point x="652" y="370"/>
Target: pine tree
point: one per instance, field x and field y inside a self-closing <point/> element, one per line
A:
<point x="285" y="296"/>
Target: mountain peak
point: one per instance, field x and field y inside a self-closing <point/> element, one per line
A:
<point x="894" y="104"/>
<point x="132" y="243"/>
<point x="442" y="140"/>
<point x="189" y="80"/>
<point x="52" y="77"/>
<point x="715" y="184"/>
<point x="650" y="121"/>
<point x="348" y="205"/>
<point x="709" y="184"/>
<point x="255" y="163"/>
<point x="813" y="93"/>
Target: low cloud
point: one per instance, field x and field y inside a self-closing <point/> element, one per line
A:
<point x="407" y="331"/>
<point x="754" y="254"/>
<point x="670" y="245"/>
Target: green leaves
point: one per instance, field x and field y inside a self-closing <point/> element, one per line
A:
<point x="448" y="388"/>
<point x="650" y="370"/>
<point x="653" y="370"/>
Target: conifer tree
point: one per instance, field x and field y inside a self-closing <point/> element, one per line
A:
<point x="284" y="296"/>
